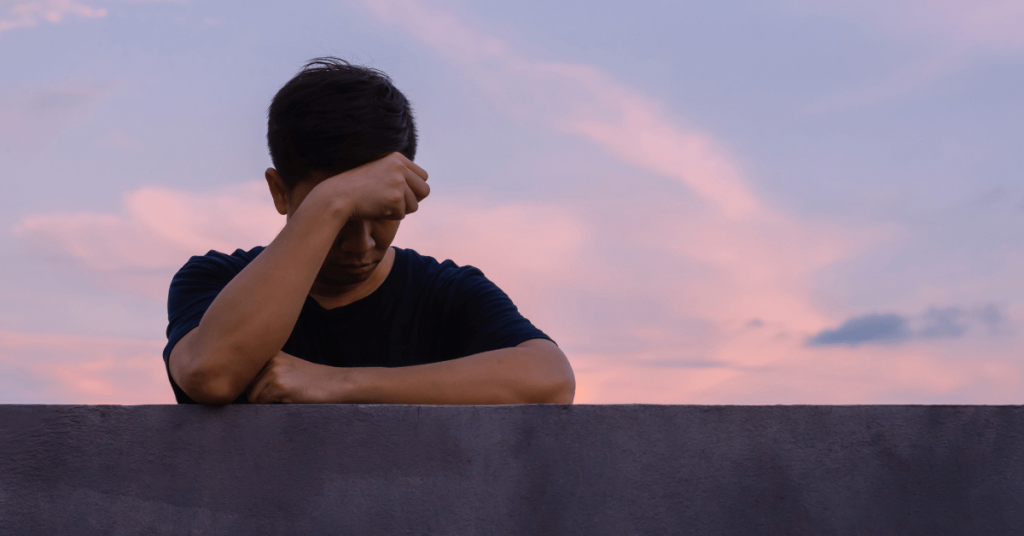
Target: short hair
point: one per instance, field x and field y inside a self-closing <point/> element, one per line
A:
<point x="335" y="116"/>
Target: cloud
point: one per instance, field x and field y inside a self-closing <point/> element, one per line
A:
<point x="861" y="329"/>
<point x="28" y="14"/>
<point x="583" y="100"/>
<point x="16" y="14"/>
<point x="944" y="322"/>
<point x="934" y="323"/>
<point x="994" y="318"/>
<point x="512" y="240"/>
<point x="158" y="229"/>
<point x="70" y="369"/>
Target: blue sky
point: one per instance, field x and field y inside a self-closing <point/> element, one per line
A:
<point x="738" y="202"/>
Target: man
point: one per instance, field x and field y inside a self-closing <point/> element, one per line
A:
<point x="329" y="312"/>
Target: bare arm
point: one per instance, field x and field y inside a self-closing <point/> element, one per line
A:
<point x="252" y="317"/>
<point x="533" y="372"/>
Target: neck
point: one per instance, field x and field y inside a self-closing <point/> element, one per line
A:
<point x="331" y="296"/>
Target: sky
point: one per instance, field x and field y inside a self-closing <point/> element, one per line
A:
<point x="737" y="202"/>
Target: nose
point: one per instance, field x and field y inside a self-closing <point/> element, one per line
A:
<point x="356" y="238"/>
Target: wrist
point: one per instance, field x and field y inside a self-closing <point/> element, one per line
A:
<point x="340" y="209"/>
<point x="360" y="385"/>
<point x="322" y="202"/>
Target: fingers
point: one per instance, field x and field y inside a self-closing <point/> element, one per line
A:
<point x="419" y="187"/>
<point x="396" y="207"/>
<point x="415" y="190"/>
<point x="257" y="388"/>
<point x="418" y="177"/>
<point x="420" y="172"/>
<point x="265" y="396"/>
<point x="411" y="205"/>
<point x="389" y="188"/>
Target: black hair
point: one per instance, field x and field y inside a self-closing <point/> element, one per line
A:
<point x="335" y="116"/>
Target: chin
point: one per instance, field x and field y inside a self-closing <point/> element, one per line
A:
<point x="344" y="277"/>
<point x="347" y="279"/>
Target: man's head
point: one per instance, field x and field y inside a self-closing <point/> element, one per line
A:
<point x="330" y="118"/>
<point x="334" y="116"/>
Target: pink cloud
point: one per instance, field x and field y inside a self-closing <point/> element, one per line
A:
<point x="580" y="99"/>
<point x="140" y="248"/>
<point x="28" y="14"/>
<point x="533" y="251"/>
<point x="71" y="369"/>
<point x="518" y="243"/>
<point x="157" y="227"/>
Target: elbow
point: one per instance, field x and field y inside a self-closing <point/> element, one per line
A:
<point x="560" y="390"/>
<point x="566" y="391"/>
<point x="203" y="373"/>
<point x="559" y="382"/>
<point x="209" y="388"/>
<point x="211" y="396"/>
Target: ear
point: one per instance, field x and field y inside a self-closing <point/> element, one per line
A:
<point x="278" y="190"/>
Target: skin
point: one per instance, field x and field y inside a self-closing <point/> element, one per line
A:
<point x="336" y="248"/>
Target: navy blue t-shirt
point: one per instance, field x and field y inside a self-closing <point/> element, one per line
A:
<point x="424" y="312"/>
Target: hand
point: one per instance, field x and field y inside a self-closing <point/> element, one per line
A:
<point x="286" y="379"/>
<point x="388" y="188"/>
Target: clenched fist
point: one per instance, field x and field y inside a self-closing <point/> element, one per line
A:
<point x="388" y="188"/>
<point x="286" y="379"/>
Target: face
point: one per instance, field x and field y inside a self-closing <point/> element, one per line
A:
<point x="360" y="246"/>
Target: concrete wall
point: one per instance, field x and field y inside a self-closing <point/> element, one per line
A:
<point x="511" y="470"/>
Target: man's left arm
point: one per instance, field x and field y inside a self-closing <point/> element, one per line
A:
<point x="533" y="372"/>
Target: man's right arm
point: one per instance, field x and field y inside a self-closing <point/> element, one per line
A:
<point x="253" y="316"/>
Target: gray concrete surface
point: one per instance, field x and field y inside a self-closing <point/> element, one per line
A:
<point x="512" y="470"/>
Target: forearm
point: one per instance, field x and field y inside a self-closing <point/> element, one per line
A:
<point x="253" y="315"/>
<point x="526" y="374"/>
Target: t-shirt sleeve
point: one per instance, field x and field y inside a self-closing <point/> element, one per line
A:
<point x="485" y="317"/>
<point x="192" y="291"/>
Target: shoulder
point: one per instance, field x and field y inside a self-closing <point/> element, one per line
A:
<point x="447" y="282"/>
<point x="210" y="272"/>
<point x="215" y="263"/>
<point x="426" y="270"/>
<point x="481" y="316"/>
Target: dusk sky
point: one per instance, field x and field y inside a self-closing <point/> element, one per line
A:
<point x="782" y="201"/>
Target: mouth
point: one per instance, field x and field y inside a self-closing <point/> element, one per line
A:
<point x="358" y="267"/>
